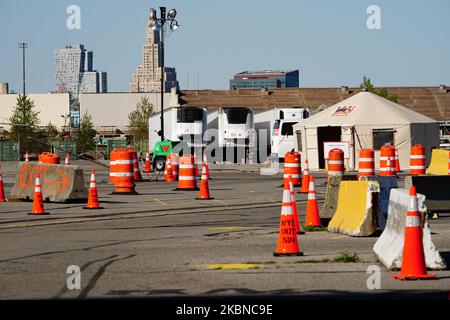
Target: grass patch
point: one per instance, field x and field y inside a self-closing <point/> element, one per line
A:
<point x="347" y="257"/>
<point x="313" y="229"/>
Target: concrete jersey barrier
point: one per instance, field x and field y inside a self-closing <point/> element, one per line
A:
<point x="439" y="162"/>
<point x="389" y="246"/>
<point x="329" y="207"/>
<point x="356" y="212"/>
<point x="60" y="183"/>
<point x="436" y="190"/>
<point x="386" y="184"/>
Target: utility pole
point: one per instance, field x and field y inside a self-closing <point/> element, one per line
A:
<point x="23" y="46"/>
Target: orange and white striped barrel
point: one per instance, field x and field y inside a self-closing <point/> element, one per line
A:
<point x="121" y="170"/>
<point x="335" y="162"/>
<point x="186" y="170"/>
<point x="387" y="161"/>
<point x="292" y="167"/>
<point x="174" y="159"/>
<point x="417" y="160"/>
<point x="366" y="163"/>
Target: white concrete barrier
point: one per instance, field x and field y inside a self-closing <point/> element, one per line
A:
<point x="389" y="246"/>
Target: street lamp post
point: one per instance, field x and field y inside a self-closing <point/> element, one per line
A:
<point x="158" y="24"/>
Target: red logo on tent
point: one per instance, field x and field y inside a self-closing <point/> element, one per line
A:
<point x="166" y="148"/>
<point x="343" y="111"/>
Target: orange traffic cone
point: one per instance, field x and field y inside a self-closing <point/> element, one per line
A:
<point x="397" y="161"/>
<point x="27" y="157"/>
<point x="148" y="167"/>
<point x="204" y="186"/>
<point x="312" y="211"/>
<point x="287" y="235"/>
<point x="294" y="207"/>
<point x="2" y="190"/>
<point x="66" y="160"/>
<point x="93" y="194"/>
<point x="205" y="161"/>
<point x="169" y="174"/>
<point x="38" y="201"/>
<point x="413" y="259"/>
<point x="305" y="180"/>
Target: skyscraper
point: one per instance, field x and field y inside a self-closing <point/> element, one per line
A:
<point x="74" y="71"/>
<point x="147" y="77"/>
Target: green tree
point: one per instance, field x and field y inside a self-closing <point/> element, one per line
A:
<point x="366" y="84"/>
<point x="24" y="123"/>
<point x="86" y="134"/>
<point x="51" y="132"/>
<point x="382" y="92"/>
<point x="138" y="120"/>
<point x="385" y="94"/>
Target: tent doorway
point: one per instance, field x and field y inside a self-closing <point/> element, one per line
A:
<point x="326" y="134"/>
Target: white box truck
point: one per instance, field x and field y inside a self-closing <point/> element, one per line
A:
<point x="277" y="123"/>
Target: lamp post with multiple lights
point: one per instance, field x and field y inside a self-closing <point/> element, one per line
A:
<point x="158" y="25"/>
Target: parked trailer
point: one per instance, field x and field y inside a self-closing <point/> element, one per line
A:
<point x="277" y="123"/>
<point x="180" y="124"/>
<point x="231" y="127"/>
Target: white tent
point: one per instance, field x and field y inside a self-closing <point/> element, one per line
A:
<point x="365" y="120"/>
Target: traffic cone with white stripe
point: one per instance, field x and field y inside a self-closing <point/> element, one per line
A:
<point x="169" y="174"/>
<point x="204" y="185"/>
<point x="294" y="207"/>
<point x="413" y="259"/>
<point x="305" y="180"/>
<point x="38" y="201"/>
<point x="93" y="194"/>
<point x="148" y="167"/>
<point x="312" y="210"/>
<point x="287" y="236"/>
<point x="27" y="157"/>
<point x="205" y="161"/>
<point x="2" y="190"/>
<point x="67" y="160"/>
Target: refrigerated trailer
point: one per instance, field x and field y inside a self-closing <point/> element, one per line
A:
<point x="180" y="124"/>
<point x="230" y="133"/>
<point x="277" y="124"/>
<point x="234" y="126"/>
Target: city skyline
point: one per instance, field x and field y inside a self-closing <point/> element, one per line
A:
<point x="328" y="42"/>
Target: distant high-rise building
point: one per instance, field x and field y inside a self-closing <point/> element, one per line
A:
<point x="147" y="77"/>
<point x="266" y="79"/>
<point x="74" y="71"/>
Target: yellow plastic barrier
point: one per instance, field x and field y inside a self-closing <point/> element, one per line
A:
<point x="439" y="162"/>
<point x="356" y="209"/>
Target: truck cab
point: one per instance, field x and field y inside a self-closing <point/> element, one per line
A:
<point x="283" y="139"/>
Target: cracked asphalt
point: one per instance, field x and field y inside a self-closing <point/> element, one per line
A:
<point x="165" y="244"/>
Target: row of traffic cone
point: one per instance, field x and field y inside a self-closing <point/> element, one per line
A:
<point x="38" y="201"/>
<point x="289" y="221"/>
<point x="66" y="159"/>
<point x="413" y="258"/>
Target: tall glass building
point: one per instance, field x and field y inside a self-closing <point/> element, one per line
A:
<point x="265" y="79"/>
<point x="74" y="71"/>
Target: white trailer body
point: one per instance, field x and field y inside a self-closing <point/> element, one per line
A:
<point x="179" y="123"/>
<point x="270" y="121"/>
<point x="235" y="127"/>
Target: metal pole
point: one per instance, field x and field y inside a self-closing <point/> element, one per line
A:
<point x="23" y="46"/>
<point x="163" y="20"/>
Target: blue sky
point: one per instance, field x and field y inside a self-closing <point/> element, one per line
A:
<point x="327" y="40"/>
